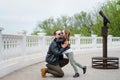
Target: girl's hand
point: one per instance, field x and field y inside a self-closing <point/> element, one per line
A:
<point x="65" y="44"/>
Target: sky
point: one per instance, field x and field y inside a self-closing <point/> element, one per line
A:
<point x="18" y="15"/>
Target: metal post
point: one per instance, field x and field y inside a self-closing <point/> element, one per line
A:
<point x="105" y="62"/>
<point x="104" y="34"/>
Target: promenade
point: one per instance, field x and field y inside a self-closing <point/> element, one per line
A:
<point x="84" y="57"/>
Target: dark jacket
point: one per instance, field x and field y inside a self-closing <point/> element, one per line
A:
<point x="54" y="54"/>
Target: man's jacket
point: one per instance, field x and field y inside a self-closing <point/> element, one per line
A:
<point x="54" y="54"/>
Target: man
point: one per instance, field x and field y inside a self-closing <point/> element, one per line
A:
<point x="54" y="58"/>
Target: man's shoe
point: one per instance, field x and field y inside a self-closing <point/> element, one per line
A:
<point x="84" y="69"/>
<point x="43" y="72"/>
<point x="76" y="75"/>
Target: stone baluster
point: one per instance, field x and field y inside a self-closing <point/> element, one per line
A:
<point x="1" y="44"/>
<point x="94" y="41"/>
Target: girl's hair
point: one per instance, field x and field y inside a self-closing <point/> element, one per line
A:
<point x="67" y="34"/>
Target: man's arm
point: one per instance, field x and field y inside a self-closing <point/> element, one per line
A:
<point x="61" y="40"/>
<point x="56" y="50"/>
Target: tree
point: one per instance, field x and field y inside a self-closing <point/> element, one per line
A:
<point x="112" y="10"/>
<point x="73" y="23"/>
<point x="86" y="23"/>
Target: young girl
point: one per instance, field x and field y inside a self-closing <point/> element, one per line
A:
<point x="69" y="54"/>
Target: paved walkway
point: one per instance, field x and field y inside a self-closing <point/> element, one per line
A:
<point x="33" y="72"/>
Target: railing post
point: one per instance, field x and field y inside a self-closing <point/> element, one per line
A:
<point x="42" y="42"/>
<point x="24" y="43"/>
<point x="94" y="41"/>
<point x="77" y="42"/>
<point x="110" y="41"/>
<point x="44" y="45"/>
<point x="1" y="43"/>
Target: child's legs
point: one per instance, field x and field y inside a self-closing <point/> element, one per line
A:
<point x="79" y="65"/>
<point x="72" y="61"/>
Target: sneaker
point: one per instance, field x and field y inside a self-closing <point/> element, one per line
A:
<point x="84" y="69"/>
<point x="43" y="72"/>
<point x="76" y="75"/>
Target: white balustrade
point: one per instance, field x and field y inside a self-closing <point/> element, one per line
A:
<point x="17" y="51"/>
<point x="99" y="42"/>
<point x="1" y="44"/>
<point x="115" y="41"/>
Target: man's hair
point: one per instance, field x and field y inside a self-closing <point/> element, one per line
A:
<point x="55" y="32"/>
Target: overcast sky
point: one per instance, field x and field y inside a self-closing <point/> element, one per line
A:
<point x="17" y="15"/>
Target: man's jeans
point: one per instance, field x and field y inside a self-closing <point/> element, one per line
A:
<point x="56" y="69"/>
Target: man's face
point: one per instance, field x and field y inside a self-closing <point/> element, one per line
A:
<point x="58" y="34"/>
<point x="63" y="32"/>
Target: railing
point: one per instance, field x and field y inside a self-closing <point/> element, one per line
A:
<point x="17" y="51"/>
